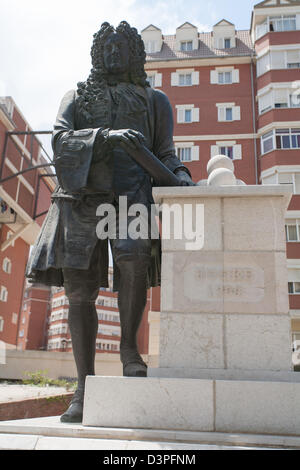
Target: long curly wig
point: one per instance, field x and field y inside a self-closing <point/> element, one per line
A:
<point x="93" y="89"/>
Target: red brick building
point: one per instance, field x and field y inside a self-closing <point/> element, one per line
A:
<point x="237" y="93"/>
<point x="23" y="202"/>
<point x="109" y="330"/>
<point x="34" y="317"/>
<point x="232" y="92"/>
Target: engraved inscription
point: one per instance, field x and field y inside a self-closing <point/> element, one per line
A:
<point x="234" y="283"/>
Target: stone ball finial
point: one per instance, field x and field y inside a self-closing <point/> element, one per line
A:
<point x="220" y="170"/>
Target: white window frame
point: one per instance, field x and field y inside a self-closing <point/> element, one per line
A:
<point x="289" y="134"/>
<point x="154" y="78"/>
<point x="8" y="236"/>
<point x="181" y="113"/>
<point x="182" y="79"/>
<point x="281" y="18"/>
<point x="292" y="284"/>
<point x="287" y="62"/>
<point x="264" y="27"/>
<point x="222" y="78"/>
<point x="222" y="112"/>
<point x="227" y="39"/>
<point x="292" y="223"/>
<point x="151" y="47"/>
<point x="237" y="149"/>
<point x="292" y="99"/>
<point x="194" y="73"/>
<point x="194" y="150"/>
<point x="293" y="183"/>
<point x="6" y="265"/>
<point x="215" y="75"/>
<point x="184" y="47"/>
<point x="3" y="294"/>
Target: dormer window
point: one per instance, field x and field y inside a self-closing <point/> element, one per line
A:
<point x="224" y="35"/>
<point x="150" y="47"/>
<point x="187" y="37"/>
<point x="186" y="45"/>
<point x="152" y="37"/>
<point x="227" y="43"/>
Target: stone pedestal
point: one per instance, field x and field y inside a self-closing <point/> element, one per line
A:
<point x="225" y="344"/>
<point x="225" y="306"/>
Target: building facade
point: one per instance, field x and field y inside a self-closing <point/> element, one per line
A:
<point x="237" y="93"/>
<point x="109" y="329"/>
<point x="24" y="200"/>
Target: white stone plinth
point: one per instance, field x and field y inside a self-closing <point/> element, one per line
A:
<point x="266" y="407"/>
<point x="225" y="305"/>
<point x="149" y="403"/>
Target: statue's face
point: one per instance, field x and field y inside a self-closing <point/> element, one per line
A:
<point x="116" y="53"/>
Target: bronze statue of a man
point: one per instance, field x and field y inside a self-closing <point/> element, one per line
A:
<point x="114" y="111"/>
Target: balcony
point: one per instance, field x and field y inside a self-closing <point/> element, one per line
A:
<point x="26" y="183"/>
<point x="278" y="115"/>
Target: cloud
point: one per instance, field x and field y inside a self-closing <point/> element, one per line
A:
<point x="45" y="46"/>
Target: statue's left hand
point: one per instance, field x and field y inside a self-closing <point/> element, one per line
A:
<point x="184" y="178"/>
<point x="126" y="138"/>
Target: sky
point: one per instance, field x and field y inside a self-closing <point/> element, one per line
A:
<point x="45" y="46"/>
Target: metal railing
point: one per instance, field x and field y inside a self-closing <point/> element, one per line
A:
<point x="48" y="162"/>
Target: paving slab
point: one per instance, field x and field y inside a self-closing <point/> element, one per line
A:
<point x="49" y="433"/>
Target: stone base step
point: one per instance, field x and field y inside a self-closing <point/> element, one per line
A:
<point x="50" y="434"/>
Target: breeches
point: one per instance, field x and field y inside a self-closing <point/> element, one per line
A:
<point x="82" y="285"/>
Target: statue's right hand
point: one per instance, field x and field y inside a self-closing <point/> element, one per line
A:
<point x="126" y="138"/>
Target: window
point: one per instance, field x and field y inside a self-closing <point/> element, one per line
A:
<point x="228" y="151"/>
<point x="9" y="235"/>
<point x="294" y="287"/>
<point x="186" y="45"/>
<point x="282" y="23"/>
<point x="228" y="112"/>
<point x="227" y="43"/>
<point x="292" y="230"/>
<point x="295" y="100"/>
<point x="261" y="29"/>
<point x="151" y="80"/>
<point x="3" y="294"/>
<point x="187" y="152"/>
<point x="224" y="77"/>
<point x="265" y="102"/>
<point x="21" y="333"/>
<point x="267" y="142"/>
<point x="1" y="324"/>
<point x="280" y="98"/>
<point x="154" y="79"/>
<point x="293" y="59"/>
<point x="187" y="114"/>
<point x="184" y="154"/>
<point x="292" y="180"/>
<point x="263" y="64"/>
<point x="185" y="79"/>
<point x="14" y="318"/>
<point x="287" y="138"/>
<point x="151" y="47"/>
<point x="6" y="265"/>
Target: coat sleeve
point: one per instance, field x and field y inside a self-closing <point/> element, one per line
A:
<point x="73" y="149"/>
<point x="163" y="146"/>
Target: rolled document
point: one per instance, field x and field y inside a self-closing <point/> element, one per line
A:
<point x="159" y="172"/>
